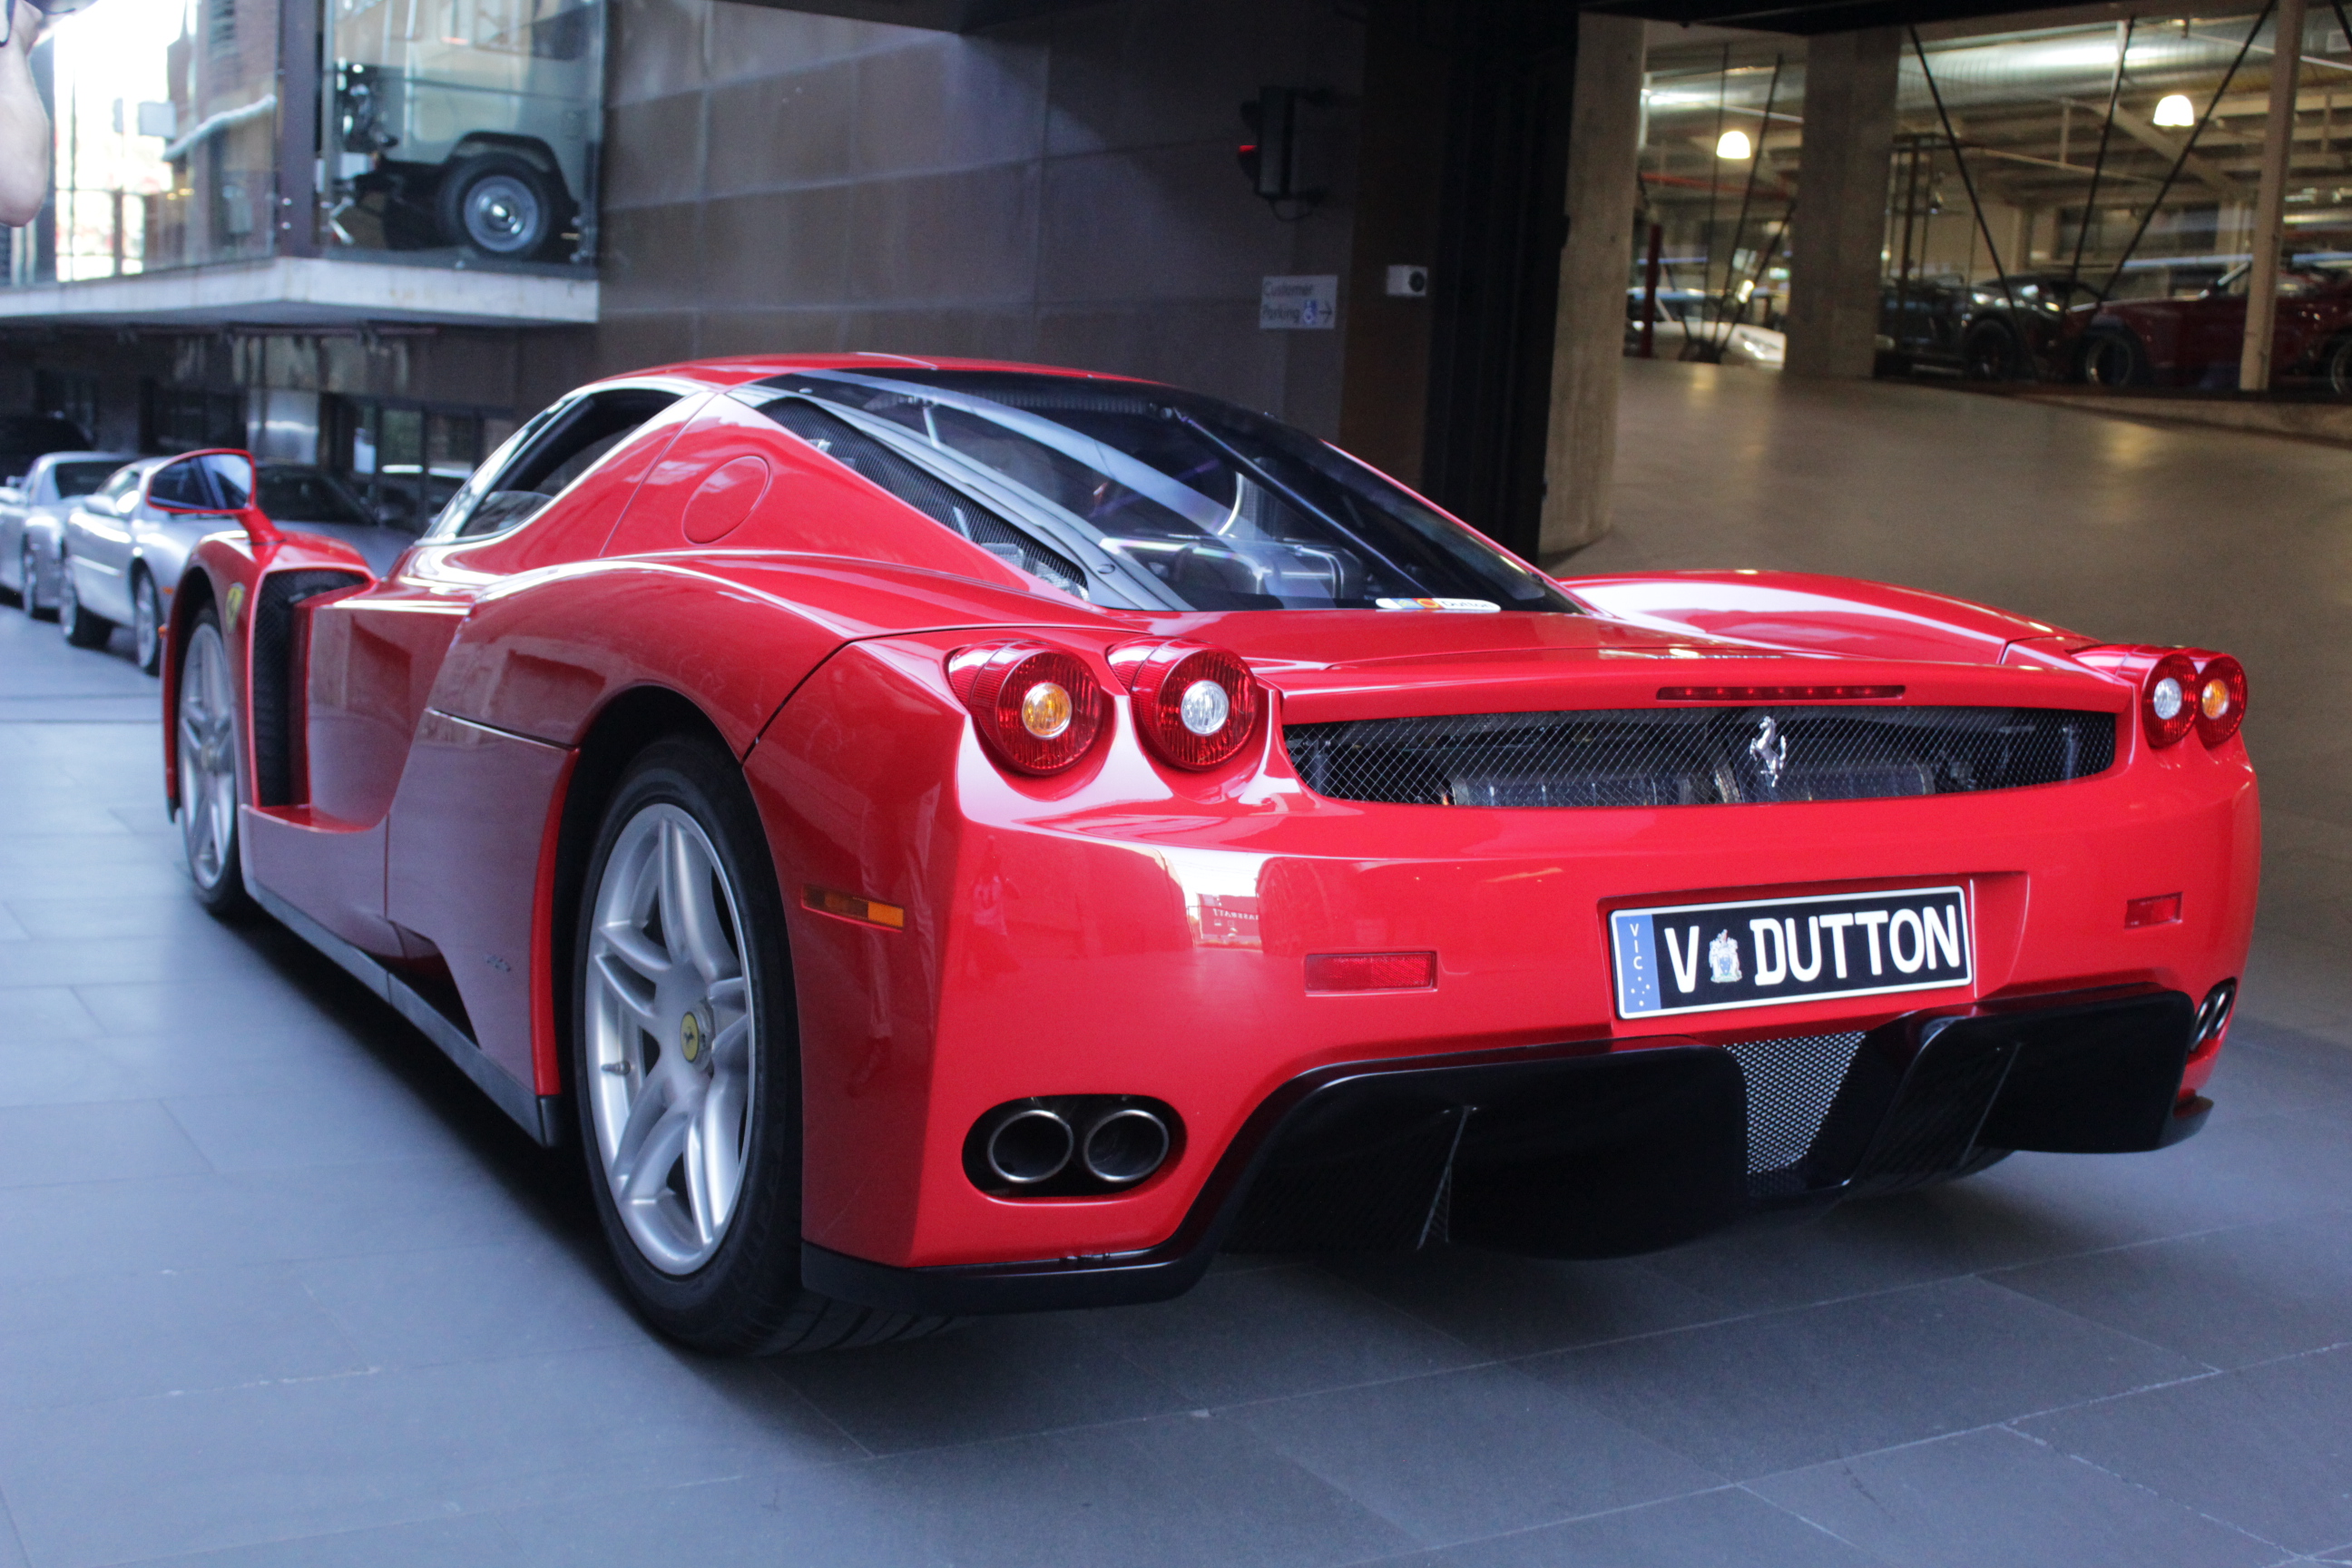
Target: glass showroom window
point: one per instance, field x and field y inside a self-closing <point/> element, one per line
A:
<point x="466" y="127"/>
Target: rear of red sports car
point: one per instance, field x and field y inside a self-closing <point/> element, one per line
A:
<point x="1575" y="930"/>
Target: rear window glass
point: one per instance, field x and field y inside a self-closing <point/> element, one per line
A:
<point x="81" y="479"/>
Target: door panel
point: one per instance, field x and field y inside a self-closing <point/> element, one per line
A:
<point x="466" y="836"/>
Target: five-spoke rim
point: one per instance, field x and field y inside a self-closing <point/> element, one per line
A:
<point x="207" y="737"/>
<point x="145" y="617"/>
<point x="672" y="1043"/>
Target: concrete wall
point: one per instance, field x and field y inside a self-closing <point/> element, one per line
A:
<point x="1062" y="190"/>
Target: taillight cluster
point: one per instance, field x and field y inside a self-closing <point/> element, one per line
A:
<point x="1195" y="705"/>
<point x="2180" y="694"/>
<point x="1041" y="708"/>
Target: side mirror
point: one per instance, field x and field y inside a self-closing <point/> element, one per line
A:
<point x="219" y="480"/>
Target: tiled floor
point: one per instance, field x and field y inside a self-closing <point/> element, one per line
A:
<point x="276" y="1287"/>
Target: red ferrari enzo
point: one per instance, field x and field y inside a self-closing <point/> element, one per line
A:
<point x="953" y="839"/>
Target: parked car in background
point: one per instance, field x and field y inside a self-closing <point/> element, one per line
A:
<point x="2196" y="341"/>
<point x="24" y="436"/>
<point x="2024" y="327"/>
<point x="1692" y="325"/>
<point x="32" y="516"/>
<point x="121" y="555"/>
<point x="1920" y="325"/>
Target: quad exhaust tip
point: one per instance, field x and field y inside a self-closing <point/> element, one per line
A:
<point x="1123" y="1146"/>
<point x="1070" y="1145"/>
<point x="1030" y="1146"/>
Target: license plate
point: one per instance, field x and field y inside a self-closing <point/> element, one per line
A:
<point x="1706" y="958"/>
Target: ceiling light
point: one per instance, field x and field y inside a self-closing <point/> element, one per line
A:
<point x="1734" y="144"/>
<point x="2175" y="109"/>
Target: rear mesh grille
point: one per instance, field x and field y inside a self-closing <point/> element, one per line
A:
<point x="1699" y="756"/>
<point x="1791" y="1084"/>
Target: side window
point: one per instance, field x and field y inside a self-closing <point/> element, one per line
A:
<point x="556" y="450"/>
<point x="120" y="490"/>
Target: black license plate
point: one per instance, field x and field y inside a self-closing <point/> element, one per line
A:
<point x="1704" y="958"/>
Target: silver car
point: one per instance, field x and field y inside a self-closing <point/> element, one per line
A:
<point x="122" y="557"/>
<point x="32" y="517"/>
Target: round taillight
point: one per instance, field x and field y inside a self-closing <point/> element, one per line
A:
<point x="1195" y="706"/>
<point x="1039" y="708"/>
<point x="2167" y="700"/>
<point x="2220" y="699"/>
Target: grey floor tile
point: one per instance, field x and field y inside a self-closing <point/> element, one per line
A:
<point x="2267" y="1068"/>
<point x="820" y="1519"/>
<point x="38" y="1017"/>
<point x="109" y="916"/>
<point x="103" y="1483"/>
<point x="12" y="1546"/>
<point x="1789" y="1389"/>
<point x="1510" y="1306"/>
<point x="2267" y="1449"/>
<point x="194" y="1222"/>
<point x="200" y="1006"/>
<point x="293" y="1128"/>
<point x="1181" y="1489"/>
<point x="11" y="928"/>
<point x="1726" y="1528"/>
<point x="527" y="1296"/>
<point x="997" y="1378"/>
<point x="47" y="1145"/>
<point x="1994" y="1500"/>
<point x="1273" y="1331"/>
<point x="2227" y="1297"/>
<point x="1460" y="1455"/>
<point x="94" y="1339"/>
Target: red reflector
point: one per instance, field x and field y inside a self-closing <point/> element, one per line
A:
<point x="1372" y="971"/>
<point x="2161" y="912"/>
<point x="1779" y="693"/>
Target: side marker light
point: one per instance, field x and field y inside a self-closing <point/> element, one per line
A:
<point x="2157" y="912"/>
<point x="1372" y="971"/>
<point x="850" y="907"/>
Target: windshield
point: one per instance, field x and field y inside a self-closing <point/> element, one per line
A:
<point x="1173" y="499"/>
<point x="307" y="495"/>
<point x="81" y="479"/>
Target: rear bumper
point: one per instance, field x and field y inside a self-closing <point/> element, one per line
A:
<point x="1607" y="1148"/>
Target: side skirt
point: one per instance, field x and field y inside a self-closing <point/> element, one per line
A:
<point x="539" y="1115"/>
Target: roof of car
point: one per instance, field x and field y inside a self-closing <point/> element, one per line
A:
<point x="743" y="369"/>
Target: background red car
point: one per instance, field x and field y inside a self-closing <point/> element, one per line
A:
<point x="2196" y="342"/>
<point x="953" y="839"/>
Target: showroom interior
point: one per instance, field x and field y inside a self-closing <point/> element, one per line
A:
<point x="2042" y="309"/>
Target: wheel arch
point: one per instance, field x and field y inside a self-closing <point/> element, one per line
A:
<point x="624" y="726"/>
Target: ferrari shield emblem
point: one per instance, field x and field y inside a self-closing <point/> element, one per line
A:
<point x="235" y="604"/>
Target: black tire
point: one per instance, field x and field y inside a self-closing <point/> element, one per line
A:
<point x="2111" y="356"/>
<point x="204" y="721"/>
<point x="500" y="204"/>
<point x="745" y="1297"/>
<point x="2335" y="367"/>
<point x="1992" y="352"/>
<point x="28" y="568"/>
<point x="146" y="624"/>
<point x="82" y="630"/>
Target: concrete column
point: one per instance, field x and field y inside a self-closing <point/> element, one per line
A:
<point x="2270" y="202"/>
<point x="1840" y="218"/>
<point x="1588" y="336"/>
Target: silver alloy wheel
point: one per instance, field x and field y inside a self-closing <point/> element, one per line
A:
<point x="502" y="214"/>
<point x="28" y="567"/>
<point x="68" y="598"/>
<point x="672" y="1044"/>
<point x="146" y="624"/>
<point x="208" y="735"/>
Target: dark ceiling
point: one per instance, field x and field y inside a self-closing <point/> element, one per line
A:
<point x="1806" y="17"/>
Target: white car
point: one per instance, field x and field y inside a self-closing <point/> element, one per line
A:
<point x="32" y="517"/>
<point x="1694" y="326"/>
<point x="122" y="557"/>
